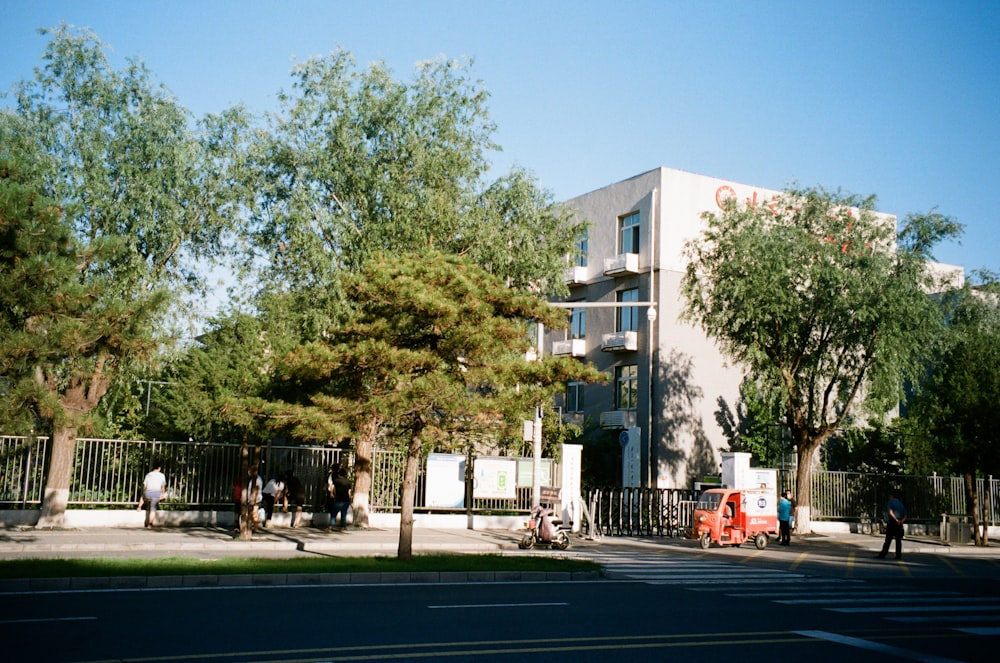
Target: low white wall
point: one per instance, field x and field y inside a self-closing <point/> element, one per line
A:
<point x="77" y="518"/>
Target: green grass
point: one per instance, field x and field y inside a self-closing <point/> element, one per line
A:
<point x="173" y="566"/>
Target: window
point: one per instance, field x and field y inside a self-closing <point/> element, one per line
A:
<point x="580" y="259"/>
<point x="578" y="323"/>
<point x="574" y="397"/>
<point x="626" y="386"/>
<point x="628" y="233"/>
<point x="627" y="317"/>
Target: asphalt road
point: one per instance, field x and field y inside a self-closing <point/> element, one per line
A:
<point x="666" y="604"/>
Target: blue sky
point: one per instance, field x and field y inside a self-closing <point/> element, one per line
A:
<point x="896" y="99"/>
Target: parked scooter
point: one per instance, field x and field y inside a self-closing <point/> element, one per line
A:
<point x="544" y="531"/>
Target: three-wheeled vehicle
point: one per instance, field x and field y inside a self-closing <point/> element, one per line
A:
<point x="728" y="517"/>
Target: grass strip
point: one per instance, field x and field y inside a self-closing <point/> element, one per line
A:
<point x="173" y="566"/>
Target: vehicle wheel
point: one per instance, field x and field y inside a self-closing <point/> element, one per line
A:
<point x="705" y="541"/>
<point x="526" y="542"/>
<point x="760" y="541"/>
<point x="561" y="540"/>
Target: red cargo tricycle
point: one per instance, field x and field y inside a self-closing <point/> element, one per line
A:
<point x="728" y="517"/>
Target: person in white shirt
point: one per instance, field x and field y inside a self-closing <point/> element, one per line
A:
<point x="274" y="490"/>
<point x="152" y="493"/>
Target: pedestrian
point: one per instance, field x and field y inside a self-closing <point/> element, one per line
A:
<point x="785" y="519"/>
<point x="339" y="491"/>
<point x="253" y="494"/>
<point x="274" y="489"/>
<point x="895" y="516"/>
<point x="152" y="492"/>
<point x="237" y="502"/>
<point x="296" y="493"/>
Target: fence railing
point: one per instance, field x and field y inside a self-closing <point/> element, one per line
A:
<point x="200" y="475"/>
<point x="109" y="473"/>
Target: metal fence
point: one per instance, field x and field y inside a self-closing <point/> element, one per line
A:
<point x="862" y="497"/>
<point x="109" y="474"/>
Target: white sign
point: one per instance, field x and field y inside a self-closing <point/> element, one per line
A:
<point x="495" y="478"/>
<point x="446" y="480"/>
<point x="631" y="457"/>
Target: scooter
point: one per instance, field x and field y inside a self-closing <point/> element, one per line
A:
<point x="544" y="531"/>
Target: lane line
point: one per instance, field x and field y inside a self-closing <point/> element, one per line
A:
<point x="947" y="562"/>
<point x="40" y="620"/>
<point x="875" y="646"/>
<point x="460" y="606"/>
<point x="801" y="558"/>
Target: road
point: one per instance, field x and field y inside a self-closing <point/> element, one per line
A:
<point x="655" y="605"/>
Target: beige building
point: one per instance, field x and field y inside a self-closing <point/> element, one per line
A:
<point x="668" y="383"/>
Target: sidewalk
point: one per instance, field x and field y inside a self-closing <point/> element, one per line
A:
<point x="284" y="542"/>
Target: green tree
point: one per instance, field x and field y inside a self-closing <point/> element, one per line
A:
<point x="434" y="347"/>
<point x="956" y="402"/>
<point x="356" y="163"/>
<point x="816" y="295"/>
<point x="752" y="428"/>
<point x="147" y="196"/>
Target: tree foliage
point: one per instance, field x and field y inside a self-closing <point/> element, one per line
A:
<point x="434" y="346"/>
<point x="957" y="402"/>
<point x="144" y="194"/>
<point x="357" y="162"/>
<point x="816" y="296"/>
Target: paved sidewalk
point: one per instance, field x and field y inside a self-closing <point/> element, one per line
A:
<point x="284" y="542"/>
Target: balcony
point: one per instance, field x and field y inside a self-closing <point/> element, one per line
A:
<point x="574" y="347"/>
<point x="575" y="275"/>
<point x="626" y="341"/>
<point x="623" y="263"/>
<point x="614" y="419"/>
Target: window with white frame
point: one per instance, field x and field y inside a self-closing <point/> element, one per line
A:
<point x="627" y="317"/>
<point x="628" y="233"/>
<point x="578" y="323"/>
<point x="627" y="387"/>
<point x="580" y="260"/>
<point x="574" y="397"/>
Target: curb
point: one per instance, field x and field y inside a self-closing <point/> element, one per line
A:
<point x="36" y="585"/>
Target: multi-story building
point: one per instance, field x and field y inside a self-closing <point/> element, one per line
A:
<point x="668" y="382"/>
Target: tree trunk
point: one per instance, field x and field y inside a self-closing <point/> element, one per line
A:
<point x="972" y="501"/>
<point x="405" y="551"/>
<point x="57" y="481"/>
<point x="803" y="486"/>
<point x="363" y="446"/>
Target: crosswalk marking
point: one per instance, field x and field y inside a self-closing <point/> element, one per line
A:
<point x="844" y="595"/>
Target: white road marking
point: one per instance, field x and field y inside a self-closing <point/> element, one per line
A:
<point x="875" y="646"/>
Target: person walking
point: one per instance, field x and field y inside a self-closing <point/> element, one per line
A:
<point x="296" y="493"/>
<point x="339" y="489"/>
<point x="274" y="489"/>
<point x="895" y="516"/>
<point x="152" y="492"/>
<point x="785" y="519"/>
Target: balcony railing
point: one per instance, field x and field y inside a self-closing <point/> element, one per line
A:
<point x="623" y="263"/>
<point x="625" y="341"/>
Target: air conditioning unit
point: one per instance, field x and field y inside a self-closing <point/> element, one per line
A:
<point x="574" y="347"/>
<point x="627" y="341"/>
<point x="576" y="275"/>
<point x="614" y="419"/>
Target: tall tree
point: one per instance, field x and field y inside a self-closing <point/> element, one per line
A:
<point x="357" y="162"/>
<point x="434" y="345"/>
<point x="957" y="403"/>
<point x="146" y="196"/>
<point x="816" y="296"/>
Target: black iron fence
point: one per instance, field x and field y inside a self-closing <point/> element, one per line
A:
<point x="200" y="475"/>
<point x="109" y="473"/>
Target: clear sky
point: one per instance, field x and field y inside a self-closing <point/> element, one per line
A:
<point x="897" y="99"/>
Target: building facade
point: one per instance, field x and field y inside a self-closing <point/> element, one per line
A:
<point x="668" y="384"/>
